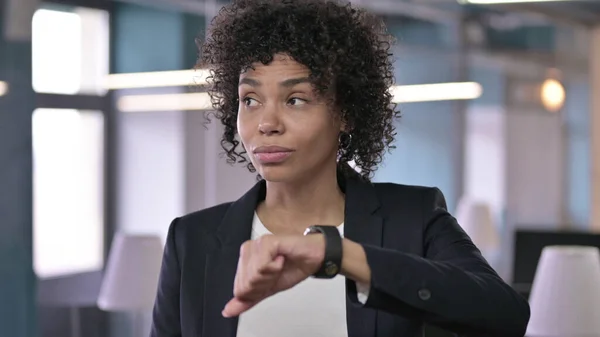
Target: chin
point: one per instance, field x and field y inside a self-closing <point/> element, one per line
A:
<point x="278" y="174"/>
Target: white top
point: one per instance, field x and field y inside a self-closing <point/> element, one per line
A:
<point x="314" y="307"/>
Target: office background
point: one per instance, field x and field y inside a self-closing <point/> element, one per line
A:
<point x="85" y="154"/>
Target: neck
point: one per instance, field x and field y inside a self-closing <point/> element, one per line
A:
<point x="317" y="200"/>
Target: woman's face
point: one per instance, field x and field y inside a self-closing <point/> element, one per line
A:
<point x="288" y="130"/>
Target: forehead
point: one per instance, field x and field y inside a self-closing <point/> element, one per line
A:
<point x="282" y="67"/>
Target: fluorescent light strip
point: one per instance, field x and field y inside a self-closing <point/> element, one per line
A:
<point x="164" y="102"/>
<point x="156" y="79"/>
<point x="436" y="92"/>
<point x="492" y="2"/>
<point x="201" y="101"/>
<point x="3" y="88"/>
<point x="402" y="94"/>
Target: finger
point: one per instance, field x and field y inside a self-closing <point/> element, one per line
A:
<point x="260" y="267"/>
<point x="291" y="245"/>
<point x="257" y="287"/>
<point x="236" y="307"/>
<point x="257" y="269"/>
<point x="274" y="267"/>
<point x="242" y="267"/>
<point x="264" y="251"/>
<point x="250" y="283"/>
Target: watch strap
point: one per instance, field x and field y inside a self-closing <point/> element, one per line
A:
<point x="332" y="263"/>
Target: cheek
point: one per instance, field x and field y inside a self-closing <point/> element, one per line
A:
<point x="322" y="141"/>
<point x="242" y="128"/>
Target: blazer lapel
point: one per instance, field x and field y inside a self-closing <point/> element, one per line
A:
<point x="363" y="224"/>
<point x="221" y="264"/>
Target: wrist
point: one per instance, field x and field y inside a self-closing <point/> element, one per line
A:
<point x="330" y="250"/>
<point x="316" y="242"/>
<point x="354" y="263"/>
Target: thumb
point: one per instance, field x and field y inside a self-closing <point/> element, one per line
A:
<point x="235" y="307"/>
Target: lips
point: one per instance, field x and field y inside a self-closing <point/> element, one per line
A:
<point x="272" y="154"/>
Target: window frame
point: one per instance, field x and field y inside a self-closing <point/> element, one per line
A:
<point x="77" y="286"/>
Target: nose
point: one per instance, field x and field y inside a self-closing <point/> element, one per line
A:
<point x="270" y="123"/>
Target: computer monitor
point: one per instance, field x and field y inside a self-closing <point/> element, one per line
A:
<point x="528" y="249"/>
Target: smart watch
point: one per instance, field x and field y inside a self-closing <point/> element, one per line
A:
<point x="332" y="263"/>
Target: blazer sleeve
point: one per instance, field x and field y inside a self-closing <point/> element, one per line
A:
<point x="165" y="315"/>
<point x="451" y="287"/>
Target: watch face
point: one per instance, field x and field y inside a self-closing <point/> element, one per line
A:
<point x="311" y="230"/>
<point x="331" y="268"/>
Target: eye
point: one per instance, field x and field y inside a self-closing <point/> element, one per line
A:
<point x="250" y="102"/>
<point x="296" y="101"/>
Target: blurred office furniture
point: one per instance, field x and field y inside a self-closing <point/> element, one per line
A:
<point x="528" y="246"/>
<point x="476" y="218"/>
<point x="67" y="306"/>
<point x="565" y="296"/>
<point x="131" y="276"/>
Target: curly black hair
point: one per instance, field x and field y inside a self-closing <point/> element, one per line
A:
<point x="346" y="50"/>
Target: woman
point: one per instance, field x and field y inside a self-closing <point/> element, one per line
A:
<point x="303" y="85"/>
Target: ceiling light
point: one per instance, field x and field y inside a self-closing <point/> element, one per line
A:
<point x="402" y="94"/>
<point x="3" y="88"/>
<point x="552" y="95"/>
<point x="491" y="2"/>
<point x="201" y="101"/>
<point x="436" y="92"/>
<point x="164" y="102"/>
<point x="156" y="79"/>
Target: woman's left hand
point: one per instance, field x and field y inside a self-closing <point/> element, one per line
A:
<point x="271" y="264"/>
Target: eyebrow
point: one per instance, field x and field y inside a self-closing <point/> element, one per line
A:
<point x="286" y="83"/>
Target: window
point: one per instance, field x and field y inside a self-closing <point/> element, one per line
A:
<point x="68" y="191"/>
<point x="70" y="57"/>
<point x="70" y="51"/>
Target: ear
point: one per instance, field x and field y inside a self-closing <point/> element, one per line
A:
<point x="343" y="126"/>
<point x="346" y="127"/>
<point x="339" y="119"/>
<point x="343" y="123"/>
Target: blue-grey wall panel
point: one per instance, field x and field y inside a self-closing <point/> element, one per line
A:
<point x="432" y="66"/>
<point x="425" y="150"/>
<point x="541" y="39"/>
<point x="194" y="28"/>
<point x="493" y="82"/>
<point x="427" y="144"/>
<point x="17" y="279"/>
<point x="147" y="39"/>
<point x="576" y="114"/>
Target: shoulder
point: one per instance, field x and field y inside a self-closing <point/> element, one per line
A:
<point x="206" y="220"/>
<point x="198" y="227"/>
<point x="209" y="214"/>
<point x="419" y="197"/>
<point x="408" y="212"/>
<point x="402" y="189"/>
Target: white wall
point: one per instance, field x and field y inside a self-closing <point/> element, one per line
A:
<point x="170" y="165"/>
<point x="150" y="180"/>
<point x="209" y="179"/>
<point x="514" y="161"/>
<point x="535" y="196"/>
<point x="485" y="156"/>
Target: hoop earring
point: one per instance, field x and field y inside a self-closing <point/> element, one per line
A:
<point x="344" y="141"/>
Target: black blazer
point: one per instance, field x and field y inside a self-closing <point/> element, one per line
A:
<point x="424" y="268"/>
